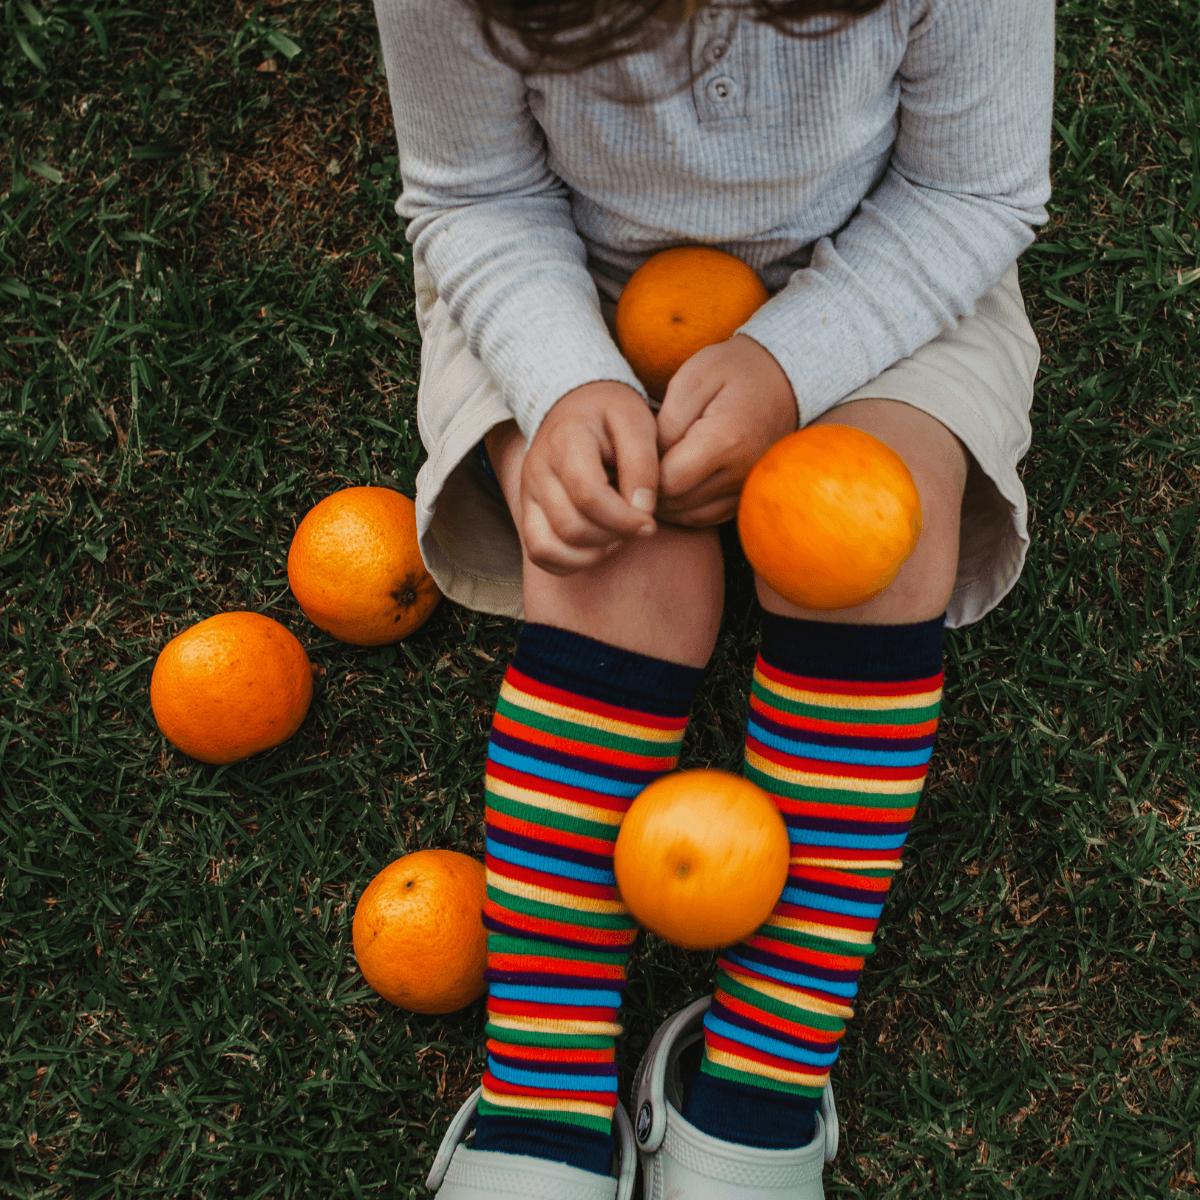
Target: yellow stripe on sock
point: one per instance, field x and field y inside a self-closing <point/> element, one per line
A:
<point x="791" y="996"/>
<point x="548" y="1104"/>
<point x="801" y="1078"/>
<point x="544" y="895"/>
<point x="546" y="1025"/>
<point x="567" y="808"/>
<point x="833" y="933"/>
<point x="845" y="864"/>
<point x="849" y="703"/>
<point x="577" y="716"/>
<point x="876" y="787"/>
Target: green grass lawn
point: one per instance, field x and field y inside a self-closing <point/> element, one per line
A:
<point x="207" y="326"/>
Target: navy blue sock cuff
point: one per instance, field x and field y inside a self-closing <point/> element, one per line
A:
<point x="584" y="1148"/>
<point x="750" y="1116"/>
<point x="823" y="650"/>
<point x="601" y="672"/>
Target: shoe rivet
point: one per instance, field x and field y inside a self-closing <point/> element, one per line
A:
<point x="645" y="1119"/>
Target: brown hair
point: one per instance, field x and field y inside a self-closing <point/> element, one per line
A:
<point x="561" y="36"/>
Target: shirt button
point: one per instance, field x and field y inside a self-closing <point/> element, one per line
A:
<point x="716" y="50"/>
<point x="722" y="89"/>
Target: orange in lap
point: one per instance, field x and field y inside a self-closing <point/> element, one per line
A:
<point x="678" y="302"/>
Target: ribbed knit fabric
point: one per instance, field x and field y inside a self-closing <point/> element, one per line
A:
<point x="899" y="164"/>
<point x="842" y="726"/>
<point x="580" y="729"/>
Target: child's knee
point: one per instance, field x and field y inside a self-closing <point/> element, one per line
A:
<point x="938" y="462"/>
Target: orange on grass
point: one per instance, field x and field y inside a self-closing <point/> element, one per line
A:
<point x="828" y="515"/>
<point x="418" y="931"/>
<point x="702" y="858"/>
<point x="355" y="568"/>
<point x="679" y="301"/>
<point x="231" y="686"/>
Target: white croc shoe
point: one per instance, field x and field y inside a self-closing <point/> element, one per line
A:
<point x="679" y="1161"/>
<point x="460" y="1173"/>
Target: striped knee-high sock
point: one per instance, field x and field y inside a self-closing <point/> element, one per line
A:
<point x="841" y="730"/>
<point x="580" y="729"/>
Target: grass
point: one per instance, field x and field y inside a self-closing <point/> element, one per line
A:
<point x="207" y="326"/>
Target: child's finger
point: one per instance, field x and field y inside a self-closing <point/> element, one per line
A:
<point x="547" y="550"/>
<point x="700" y="516"/>
<point x="635" y="448"/>
<point x="689" y="393"/>
<point x="570" y="525"/>
<point x="704" y="450"/>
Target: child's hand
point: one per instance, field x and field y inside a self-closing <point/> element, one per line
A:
<point x="724" y="408"/>
<point x="572" y="515"/>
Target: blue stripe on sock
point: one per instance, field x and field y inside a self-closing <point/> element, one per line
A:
<point x="861" y="758"/>
<point x="575" y="997"/>
<point x="579" y="779"/>
<point x="833" y="904"/>
<point x="770" y="1045"/>
<point x="853" y="841"/>
<point x="602" y="1085"/>
<point x="551" y="866"/>
<point x="794" y="979"/>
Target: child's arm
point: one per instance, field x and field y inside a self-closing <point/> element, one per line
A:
<point x="967" y="180"/>
<point x="486" y="215"/>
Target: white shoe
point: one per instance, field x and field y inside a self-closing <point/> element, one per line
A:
<point x="465" y="1174"/>
<point x="678" y="1160"/>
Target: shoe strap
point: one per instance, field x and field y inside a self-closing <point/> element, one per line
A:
<point x="650" y="1086"/>
<point x="454" y="1135"/>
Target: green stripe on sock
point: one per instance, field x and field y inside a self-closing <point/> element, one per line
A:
<point x="759" y="1081"/>
<point x="551" y="820"/>
<point x="564" y="1041"/>
<point x="553" y="912"/>
<point x="600" y="1124"/>
<point x="847" y="716"/>
<point x="668" y="751"/>
<point x="780" y="1008"/>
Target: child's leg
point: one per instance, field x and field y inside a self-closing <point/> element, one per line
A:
<point x="843" y="716"/>
<point x="592" y="709"/>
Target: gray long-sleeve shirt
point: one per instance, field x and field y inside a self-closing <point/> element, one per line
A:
<point x="879" y="180"/>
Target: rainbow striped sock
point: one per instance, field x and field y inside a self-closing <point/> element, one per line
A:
<point x="842" y="726"/>
<point x="580" y="729"/>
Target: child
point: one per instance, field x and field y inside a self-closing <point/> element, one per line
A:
<point x="881" y="173"/>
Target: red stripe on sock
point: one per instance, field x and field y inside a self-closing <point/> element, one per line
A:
<point x="794" y="1029"/>
<point x="616" y="939"/>
<point x="851" y="687"/>
<point x="554" y="838"/>
<point x="537" y="965"/>
<point x="578" y="749"/>
<point x="821" y="766"/>
<point x="631" y="716"/>
<point x="551" y="787"/>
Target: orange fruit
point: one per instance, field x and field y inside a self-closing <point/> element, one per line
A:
<point x="231" y="686"/>
<point x="701" y="858"/>
<point x="828" y="515"/>
<point x="679" y="301"/>
<point x="356" y="570"/>
<point x="418" y="931"/>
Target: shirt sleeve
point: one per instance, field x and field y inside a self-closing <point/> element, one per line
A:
<point x="968" y="179"/>
<point x="486" y="214"/>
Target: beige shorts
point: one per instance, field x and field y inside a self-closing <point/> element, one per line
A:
<point x="977" y="380"/>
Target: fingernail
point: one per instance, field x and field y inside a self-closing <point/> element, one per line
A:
<point x="643" y="498"/>
<point x="646" y="530"/>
